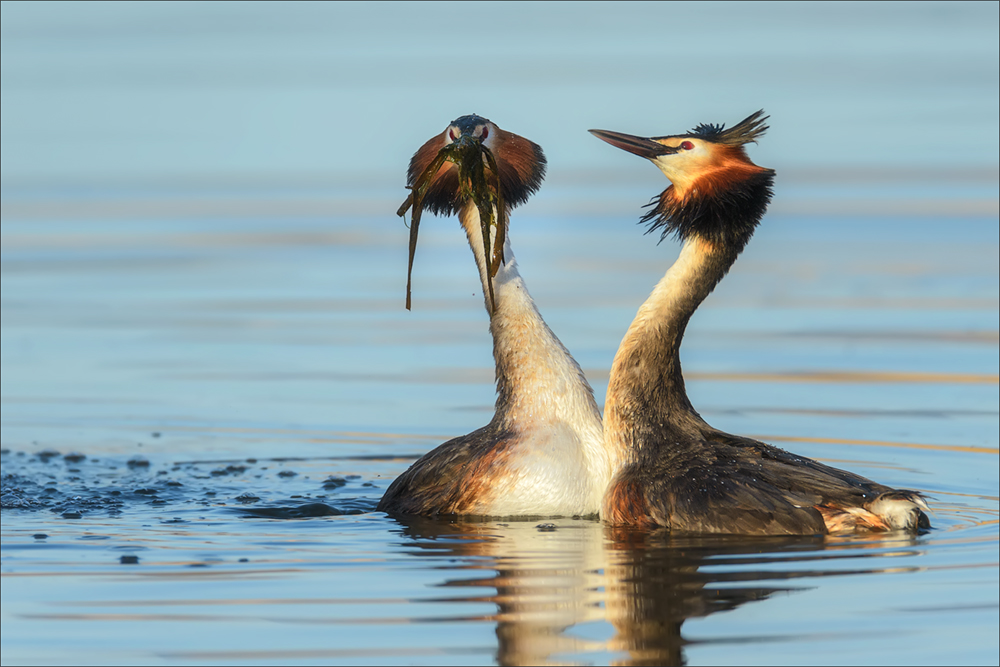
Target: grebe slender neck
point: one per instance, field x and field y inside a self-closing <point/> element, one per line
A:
<point x="646" y="380"/>
<point x="535" y="374"/>
<point x="646" y="387"/>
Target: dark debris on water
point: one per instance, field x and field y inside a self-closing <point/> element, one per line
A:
<point x="306" y="511"/>
<point x="83" y="487"/>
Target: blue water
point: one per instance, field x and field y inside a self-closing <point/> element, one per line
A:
<point x="202" y="295"/>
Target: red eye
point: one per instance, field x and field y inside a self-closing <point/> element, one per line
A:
<point x="453" y="133"/>
<point x="687" y="145"/>
<point x="486" y="132"/>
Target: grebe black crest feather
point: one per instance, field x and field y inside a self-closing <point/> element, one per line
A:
<point x="746" y="131"/>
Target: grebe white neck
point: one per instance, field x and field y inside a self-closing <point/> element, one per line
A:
<point x="542" y="393"/>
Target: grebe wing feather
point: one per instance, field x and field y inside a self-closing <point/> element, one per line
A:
<point x="451" y="478"/>
<point x="722" y="495"/>
<point x="807" y="479"/>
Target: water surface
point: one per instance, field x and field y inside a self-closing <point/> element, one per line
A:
<point x="209" y="378"/>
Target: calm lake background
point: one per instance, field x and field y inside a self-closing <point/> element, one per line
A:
<point x="209" y="378"/>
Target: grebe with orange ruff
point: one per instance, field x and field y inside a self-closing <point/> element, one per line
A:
<point x="543" y="453"/>
<point x="679" y="472"/>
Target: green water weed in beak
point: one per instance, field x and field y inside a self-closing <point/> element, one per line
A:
<point x="472" y="158"/>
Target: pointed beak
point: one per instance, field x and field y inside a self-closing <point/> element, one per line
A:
<point x="467" y="139"/>
<point x="640" y="146"/>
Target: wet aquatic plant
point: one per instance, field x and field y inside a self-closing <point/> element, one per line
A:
<point x="477" y="167"/>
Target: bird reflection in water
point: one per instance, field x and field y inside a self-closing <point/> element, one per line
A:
<point x="549" y="579"/>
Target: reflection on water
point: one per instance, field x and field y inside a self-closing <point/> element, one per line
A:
<point x="645" y="585"/>
<point x="209" y="547"/>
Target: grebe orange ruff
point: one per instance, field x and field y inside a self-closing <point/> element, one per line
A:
<point x="678" y="471"/>
<point x="543" y="452"/>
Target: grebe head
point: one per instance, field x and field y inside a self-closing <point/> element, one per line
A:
<point x="716" y="192"/>
<point x="473" y="162"/>
<point x="521" y="164"/>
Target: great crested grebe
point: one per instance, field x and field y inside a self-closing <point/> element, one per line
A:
<point x="678" y="471"/>
<point x="543" y="451"/>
